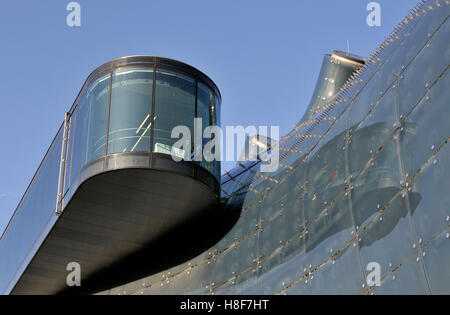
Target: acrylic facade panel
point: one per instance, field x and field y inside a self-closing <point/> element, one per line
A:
<point x="371" y="189"/>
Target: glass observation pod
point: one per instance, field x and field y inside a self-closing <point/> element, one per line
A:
<point x="108" y="184"/>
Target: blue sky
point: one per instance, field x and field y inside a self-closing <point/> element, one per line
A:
<point x="263" y="55"/>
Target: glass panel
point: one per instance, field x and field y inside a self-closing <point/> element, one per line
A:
<point x="427" y="127"/>
<point x="429" y="199"/>
<point x="97" y="97"/>
<point x="294" y="272"/>
<point x="215" y="114"/>
<point x="425" y="69"/>
<point x="70" y="147"/>
<point x="248" y="223"/>
<point x="272" y="235"/>
<point x="131" y="107"/>
<point x="227" y="188"/>
<point x="247" y="177"/>
<point x="294" y="223"/>
<point x="18" y="235"/>
<point x="79" y="130"/>
<point x="274" y="199"/>
<point x="329" y="229"/>
<point x="269" y="274"/>
<point x="414" y="40"/>
<point x="377" y="182"/>
<point x="54" y="160"/>
<point x="281" y="239"/>
<point x="217" y="108"/>
<point x="174" y="106"/>
<point x="437" y="256"/>
<point x="33" y="212"/>
<point x="325" y="174"/>
<point x="39" y="196"/>
<point x="368" y="135"/>
<point x="407" y="279"/>
<point x="387" y="238"/>
<point x="3" y="262"/>
<point x="336" y="134"/>
<point x="243" y="271"/>
<point x="343" y="275"/>
<point x="207" y="111"/>
<point x="195" y="278"/>
<point x="7" y="251"/>
<point x="204" y="111"/>
<point x="235" y="261"/>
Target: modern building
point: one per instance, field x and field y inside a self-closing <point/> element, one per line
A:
<point x="108" y="185"/>
<point x="363" y="181"/>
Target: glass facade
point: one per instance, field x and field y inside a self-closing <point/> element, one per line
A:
<point x="33" y="216"/>
<point x="174" y="101"/>
<point x="206" y="110"/>
<point x="126" y="107"/>
<point x="130" y="119"/>
<point x="364" y="178"/>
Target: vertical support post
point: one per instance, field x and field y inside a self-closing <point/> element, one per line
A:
<point x="62" y="165"/>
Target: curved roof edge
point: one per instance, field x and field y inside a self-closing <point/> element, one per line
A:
<point x="151" y="60"/>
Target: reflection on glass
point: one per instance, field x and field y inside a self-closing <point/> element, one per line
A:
<point x="97" y="106"/>
<point x="364" y="197"/>
<point x="131" y="107"/>
<point x="34" y="211"/>
<point x="78" y="125"/>
<point x="174" y="106"/>
<point x="206" y="110"/>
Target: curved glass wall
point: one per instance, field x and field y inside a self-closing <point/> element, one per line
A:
<point x="97" y="109"/>
<point x="206" y="110"/>
<point x="89" y="122"/>
<point x="131" y="110"/>
<point x="134" y="108"/>
<point x="174" y="106"/>
<point x="129" y="105"/>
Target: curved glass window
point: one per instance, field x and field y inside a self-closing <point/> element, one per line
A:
<point x="206" y="110"/>
<point x="88" y="126"/>
<point x="131" y="109"/>
<point x="216" y="121"/>
<point x="174" y="106"/>
<point x="216" y="111"/>
<point x="97" y="97"/>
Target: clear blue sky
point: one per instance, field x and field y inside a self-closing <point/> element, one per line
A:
<point x="264" y="56"/>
